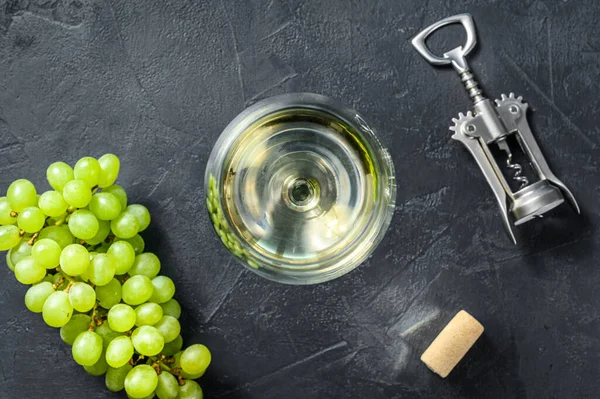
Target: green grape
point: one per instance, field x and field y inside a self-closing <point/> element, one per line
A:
<point x="121" y="318"/>
<point x="191" y="376"/>
<point x="173" y="347"/>
<point x="87" y="348"/>
<point x="137" y="242"/>
<point x="49" y="278"/>
<point x="109" y="169"/>
<point x="137" y="290"/>
<point x="59" y="174"/>
<point x="10" y="265"/>
<point x="188" y="376"/>
<point x="52" y="204"/>
<point x="147" y="341"/>
<point x="102" y="269"/>
<point x="124" y="256"/>
<point x="167" y="387"/>
<point x="103" y="248"/>
<point x="105" y="206"/>
<point x="148" y="314"/>
<point x="82" y="297"/>
<point x="103" y="232"/>
<point x="141" y="213"/>
<point x="164" y="289"/>
<point x="28" y="271"/>
<point x="118" y="192"/>
<point x="36" y="296"/>
<point x="5" y="212"/>
<point x="177" y="360"/>
<point x="110" y="294"/>
<point x="77" y="193"/>
<point x="177" y="363"/>
<point x="85" y="275"/>
<point x="190" y="390"/>
<point x="119" y="351"/>
<point x="107" y="334"/>
<point x="21" y="194"/>
<point x="171" y="308"/>
<point x="125" y="225"/>
<point x="61" y="234"/>
<point x="78" y="324"/>
<point x="83" y="224"/>
<point x="169" y="328"/>
<point x="74" y="259"/>
<point x="88" y="170"/>
<point x="20" y="251"/>
<point x="31" y="219"/>
<point x="57" y="310"/>
<point x="141" y="381"/>
<point x="9" y="237"/>
<point x="99" y="368"/>
<point x="46" y="253"/>
<point x="151" y="396"/>
<point x="195" y="359"/>
<point x="115" y="378"/>
<point x="146" y="264"/>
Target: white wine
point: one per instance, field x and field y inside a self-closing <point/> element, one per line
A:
<point x="300" y="189"/>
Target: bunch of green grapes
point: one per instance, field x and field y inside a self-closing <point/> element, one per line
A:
<point x="78" y="247"/>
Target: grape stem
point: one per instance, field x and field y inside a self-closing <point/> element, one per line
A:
<point x="68" y="287"/>
<point x="65" y="276"/>
<point x="135" y="362"/>
<point x="33" y="238"/>
<point x="164" y="367"/>
<point x="13" y="214"/>
<point x="61" y="221"/>
<point x="92" y="326"/>
<point x="58" y="283"/>
<point x="160" y="365"/>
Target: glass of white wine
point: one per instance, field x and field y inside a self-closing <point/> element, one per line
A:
<point x="300" y="189"/>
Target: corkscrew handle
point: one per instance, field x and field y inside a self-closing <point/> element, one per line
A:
<point x="456" y="57"/>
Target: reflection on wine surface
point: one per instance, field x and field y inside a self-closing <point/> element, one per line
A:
<point x="300" y="189"/>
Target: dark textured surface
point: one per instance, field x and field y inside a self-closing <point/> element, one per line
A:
<point x="156" y="81"/>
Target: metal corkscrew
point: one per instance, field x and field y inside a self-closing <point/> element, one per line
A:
<point x="490" y="125"/>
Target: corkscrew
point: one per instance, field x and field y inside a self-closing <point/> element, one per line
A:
<point x="490" y="127"/>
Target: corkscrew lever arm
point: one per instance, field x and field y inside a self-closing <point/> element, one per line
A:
<point x="455" y="57"/>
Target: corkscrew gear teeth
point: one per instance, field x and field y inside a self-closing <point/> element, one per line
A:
<point x="492" y="124"/>
<point x="504" y="99"/>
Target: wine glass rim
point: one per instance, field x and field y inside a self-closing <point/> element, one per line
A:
<point x="386" y="190"/>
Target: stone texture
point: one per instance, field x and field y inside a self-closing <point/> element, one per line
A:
<point x="156" y="81"/>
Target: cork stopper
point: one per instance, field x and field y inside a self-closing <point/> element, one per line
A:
<point x="452" y="343"/>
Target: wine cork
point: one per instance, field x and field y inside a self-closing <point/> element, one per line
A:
<point x="452" y="343"/>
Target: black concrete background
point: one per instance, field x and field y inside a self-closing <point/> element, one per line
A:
<point x="156" y="81"/>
